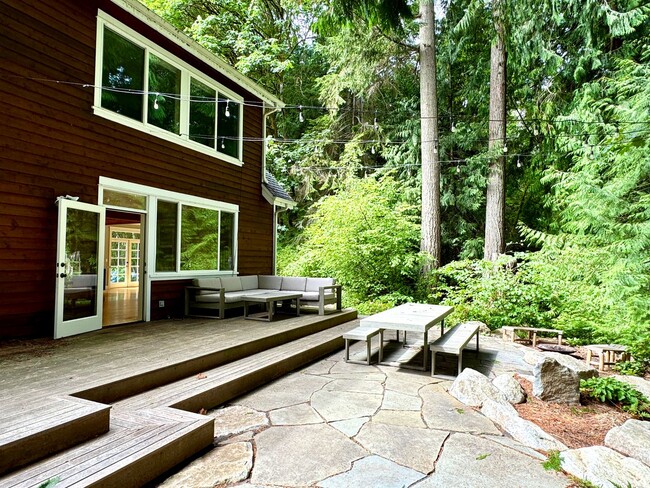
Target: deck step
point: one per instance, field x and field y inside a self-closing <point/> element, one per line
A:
<point x="219" y="385"/>
<point x="139" y="447"/>
<point x="34" y="428"/>
<point x="124" y="387"/>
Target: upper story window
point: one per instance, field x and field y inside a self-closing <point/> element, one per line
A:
<point x="147" y="88"/>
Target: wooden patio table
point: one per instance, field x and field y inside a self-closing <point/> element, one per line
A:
<point x="412" y="317"/>
<point x="270" y="299"/>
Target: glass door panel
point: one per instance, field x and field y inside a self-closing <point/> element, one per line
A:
<point x="118" y="263"/>
<point x="134" y="263"/>
<point x="79" y="268"/>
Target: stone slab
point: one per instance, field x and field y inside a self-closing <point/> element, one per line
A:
<point x="302" y="455"/>
<point x="373" y="472"/>
<point x="469" y="461"/>
<point x="441" y="411"/>
<point x="350" y="427"/>
<point x="412" y="447"/>
<point x="223" y="465"/>
<point x="399" y="401"/>
<point x="473" y="388"/>
<point x="640" y="384"/>
<point x="510" y="388"/>
<point x="337" y="405"/>
<point x="399" y="417"/>
<point x="356" y="386"/>
<point x="236" y="419"/>
<point x="302" y="414"/>
<point x="289" y="390"/>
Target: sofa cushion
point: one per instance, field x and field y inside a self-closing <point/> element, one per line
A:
<point x="312" y="296"/>
<point x="269" y="282"/>
<point x="238" y="296"/>
<point x="313" y="284"/>
<point x="291" y="283"/>
<point x="231" y="283"/>
<point x="248" y="282"/>
<point x="207" y="283"/>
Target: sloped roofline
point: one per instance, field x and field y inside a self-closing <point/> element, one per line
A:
<point x="153" y="20"/>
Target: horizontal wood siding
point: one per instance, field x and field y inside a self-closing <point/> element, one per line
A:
<point x="52" y="144"/>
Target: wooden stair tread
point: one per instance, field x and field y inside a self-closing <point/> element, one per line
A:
<point x="127" y="442"/>
<point x="174" y="393"/>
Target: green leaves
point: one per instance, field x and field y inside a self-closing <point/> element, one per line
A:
<point x="607" y="389"/>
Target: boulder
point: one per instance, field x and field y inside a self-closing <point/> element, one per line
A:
<point x="582" y="369"/>
<point x="473" y="388"/>
<point x="605" y="467"/>
<point x="632" y="439"/>
<point x="524" y="431"/>
<point x="482" y="327"/>
<point x="510" y="388"/>
<point x="556" y="383"/>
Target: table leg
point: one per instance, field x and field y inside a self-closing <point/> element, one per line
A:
<point x="297" y="307"/>
<point x="381" y="345"/>
<point x="425" y="353"/>
<point x="271" y="307"/>
<point x="442" y="327"/>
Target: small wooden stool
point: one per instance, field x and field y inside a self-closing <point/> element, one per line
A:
<point x="608" y="354"/>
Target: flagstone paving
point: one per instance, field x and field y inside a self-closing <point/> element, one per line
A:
<point x="336" y="424"/>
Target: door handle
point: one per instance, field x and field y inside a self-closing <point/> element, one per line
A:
<point x="62" y="275"/>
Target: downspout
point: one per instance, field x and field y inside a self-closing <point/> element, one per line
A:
<point x="276" y="213"/>
<point x="267" y="112"/>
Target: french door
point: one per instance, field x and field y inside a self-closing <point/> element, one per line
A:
<point x="79" y="268"/>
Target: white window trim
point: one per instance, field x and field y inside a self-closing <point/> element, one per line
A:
<point x="187" y="71"/>
<point x="154" y="194"/>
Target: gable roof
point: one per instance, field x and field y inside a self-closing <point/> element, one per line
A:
<point x="152" y="19"/>
<point x="275" y="193"/>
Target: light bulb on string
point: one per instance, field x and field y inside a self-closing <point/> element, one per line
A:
<point x="301" y="117"/>
<point x="518" y="162"/>
<point x="453" y="127"/>
<point x="372" y="149"/>
<point x="227" y="112"/>
<point x="375" y="123"/>
<point x="223" y="143"/>
<point x="458" y="168"/>
<point x="505" y="149"/>
<point x="155" y="101"/>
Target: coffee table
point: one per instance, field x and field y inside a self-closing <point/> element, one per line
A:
<point x="414" y="317"/>
<point x="270" y="298"/>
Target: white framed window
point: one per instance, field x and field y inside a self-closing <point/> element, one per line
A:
<point x="141" y="85"/>
<point x="186" y="235"/>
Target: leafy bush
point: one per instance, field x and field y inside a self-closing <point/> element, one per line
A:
<point x="607" y="389"/>
<point x="367" y="237"/>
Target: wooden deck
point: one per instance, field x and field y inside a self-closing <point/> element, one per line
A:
<point x="54" y="389"/>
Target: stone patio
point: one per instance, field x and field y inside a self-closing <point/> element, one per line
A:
<point x="336" y="424"/>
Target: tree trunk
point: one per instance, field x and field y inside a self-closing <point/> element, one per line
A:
<point x="495" y="207"/>
<point x="430" y="234"/>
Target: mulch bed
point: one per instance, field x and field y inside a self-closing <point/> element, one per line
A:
<point x="575" y="426"/>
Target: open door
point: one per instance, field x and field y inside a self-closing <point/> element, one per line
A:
<point x="79" y="268"/>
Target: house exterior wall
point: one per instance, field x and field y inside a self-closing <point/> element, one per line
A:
<point x="51" y="144"/>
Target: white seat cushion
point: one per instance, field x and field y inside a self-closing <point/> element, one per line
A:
<point x="268" y="282"/>
<point x="231" y="283"/>
<point x="312" y="296"/>
<point x="291" y="283"/>
<point x="249" y="282"/>
<point x="313" y="284"/>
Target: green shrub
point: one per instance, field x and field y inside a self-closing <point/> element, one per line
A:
<point x="607" y="389"/>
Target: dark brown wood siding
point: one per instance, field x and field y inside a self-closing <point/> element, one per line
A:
<point x="51" y="144"/>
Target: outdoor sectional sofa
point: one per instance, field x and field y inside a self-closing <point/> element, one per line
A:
<point x="224" y="293"/>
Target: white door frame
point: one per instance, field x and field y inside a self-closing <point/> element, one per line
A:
<point x="92" y="322"/>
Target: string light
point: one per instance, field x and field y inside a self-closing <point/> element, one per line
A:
<point x="155" y="102"/>
<point x="227" y="112"/>
<point x="301" y="117"/>
<point x="518" y="161"/>
<point x="372" y="149"/>
<point x="505" y="149"/>
<point x="375" y="124"/>
<point x="223" y="143"/>
<point x="458" y="168"/>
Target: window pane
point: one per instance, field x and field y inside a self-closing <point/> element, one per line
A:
<point x="228" y="127"/>
<point x="121" y="199"/>
<point x="164" y="95"/>
<point x="166" y="225"/>
<point x="199" y="238"/>
<point x="227" y="241"/>
<point x="122" y="72"/>
<point x="202" y="113"/>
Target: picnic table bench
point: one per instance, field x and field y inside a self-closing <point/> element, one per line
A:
<point x="362" y="333"/>
<point x="453" y="342"/>
<point x="510" y="332"/>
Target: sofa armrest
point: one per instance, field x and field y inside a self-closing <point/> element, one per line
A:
<point x="321" y="297"/>
<point x="192" y="291"/>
